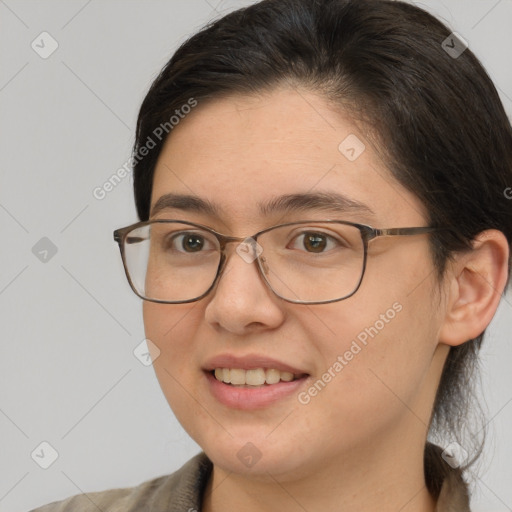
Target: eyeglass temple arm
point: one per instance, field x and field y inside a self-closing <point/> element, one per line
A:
<point x="403" y="231"/>
<point x="118" y="236"/>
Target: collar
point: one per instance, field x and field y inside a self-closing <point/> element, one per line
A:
<point x="454" y="494"/>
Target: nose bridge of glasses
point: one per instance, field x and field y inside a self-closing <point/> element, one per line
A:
<point x="247" y="248"/>
<point x="227" y="239"/>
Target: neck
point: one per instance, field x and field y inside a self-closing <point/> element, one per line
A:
<point x="369" y="479"/>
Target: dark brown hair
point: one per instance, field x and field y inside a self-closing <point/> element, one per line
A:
<point x="436" y="119"/>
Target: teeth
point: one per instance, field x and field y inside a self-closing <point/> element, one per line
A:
<point x="237" y="377"/>
<point x="255" y="377"/>
<point x="272" y="376"/>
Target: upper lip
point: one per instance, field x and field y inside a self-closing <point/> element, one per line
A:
<point x="250" y="362"/>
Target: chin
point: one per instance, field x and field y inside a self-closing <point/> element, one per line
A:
<point x="259" y="456"/>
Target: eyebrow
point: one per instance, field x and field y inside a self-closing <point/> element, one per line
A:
<point x="289" y="203"/>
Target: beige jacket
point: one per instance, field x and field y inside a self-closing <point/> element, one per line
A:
<point x="182" y="492"/>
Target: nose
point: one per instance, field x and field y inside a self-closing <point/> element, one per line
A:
<point x="241" y="302"/>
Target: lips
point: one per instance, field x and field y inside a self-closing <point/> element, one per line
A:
<point x="246" y="397"/>
<point x="252" y="382"/>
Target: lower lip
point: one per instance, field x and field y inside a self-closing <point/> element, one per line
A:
<point x="252" y="398"/>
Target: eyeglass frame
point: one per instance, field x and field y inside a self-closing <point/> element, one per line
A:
<point x="368" y="233"/>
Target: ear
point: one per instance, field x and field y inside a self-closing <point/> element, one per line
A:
<point x="477" y="279"/>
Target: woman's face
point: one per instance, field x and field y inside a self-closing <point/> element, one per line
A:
<point x="376" y="354"/>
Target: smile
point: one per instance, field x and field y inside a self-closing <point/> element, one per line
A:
<point x="255" y="377"/>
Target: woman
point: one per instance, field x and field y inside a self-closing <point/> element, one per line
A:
<point x="324" y="238"/>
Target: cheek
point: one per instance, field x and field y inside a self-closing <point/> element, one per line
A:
<point x="170" y="328"/>
<point x="376" y="351"/>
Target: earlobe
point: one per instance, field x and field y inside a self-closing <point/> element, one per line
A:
<point x="477" y="281"/>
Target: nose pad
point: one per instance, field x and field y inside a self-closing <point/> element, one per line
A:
<point x="264" y="264"/>
<point x="244" y="301"/>
<point x="249" y="250"/>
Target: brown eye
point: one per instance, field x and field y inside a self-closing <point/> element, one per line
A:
<point x="314" y="242"/>
<point x="188" y="242"/>
<point x="193" y="243"/>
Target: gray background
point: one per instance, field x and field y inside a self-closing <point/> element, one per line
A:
<point x="69" y="321"/>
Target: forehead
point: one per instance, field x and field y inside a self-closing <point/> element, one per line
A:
<point x="240" y="153"/>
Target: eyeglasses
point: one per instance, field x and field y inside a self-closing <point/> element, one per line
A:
<point x="303" y="262"/>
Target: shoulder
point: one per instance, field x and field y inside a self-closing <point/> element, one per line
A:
<point x="181" y="490"/>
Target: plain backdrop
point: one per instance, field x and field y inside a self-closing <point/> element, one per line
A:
<point x="69" y="322"/>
